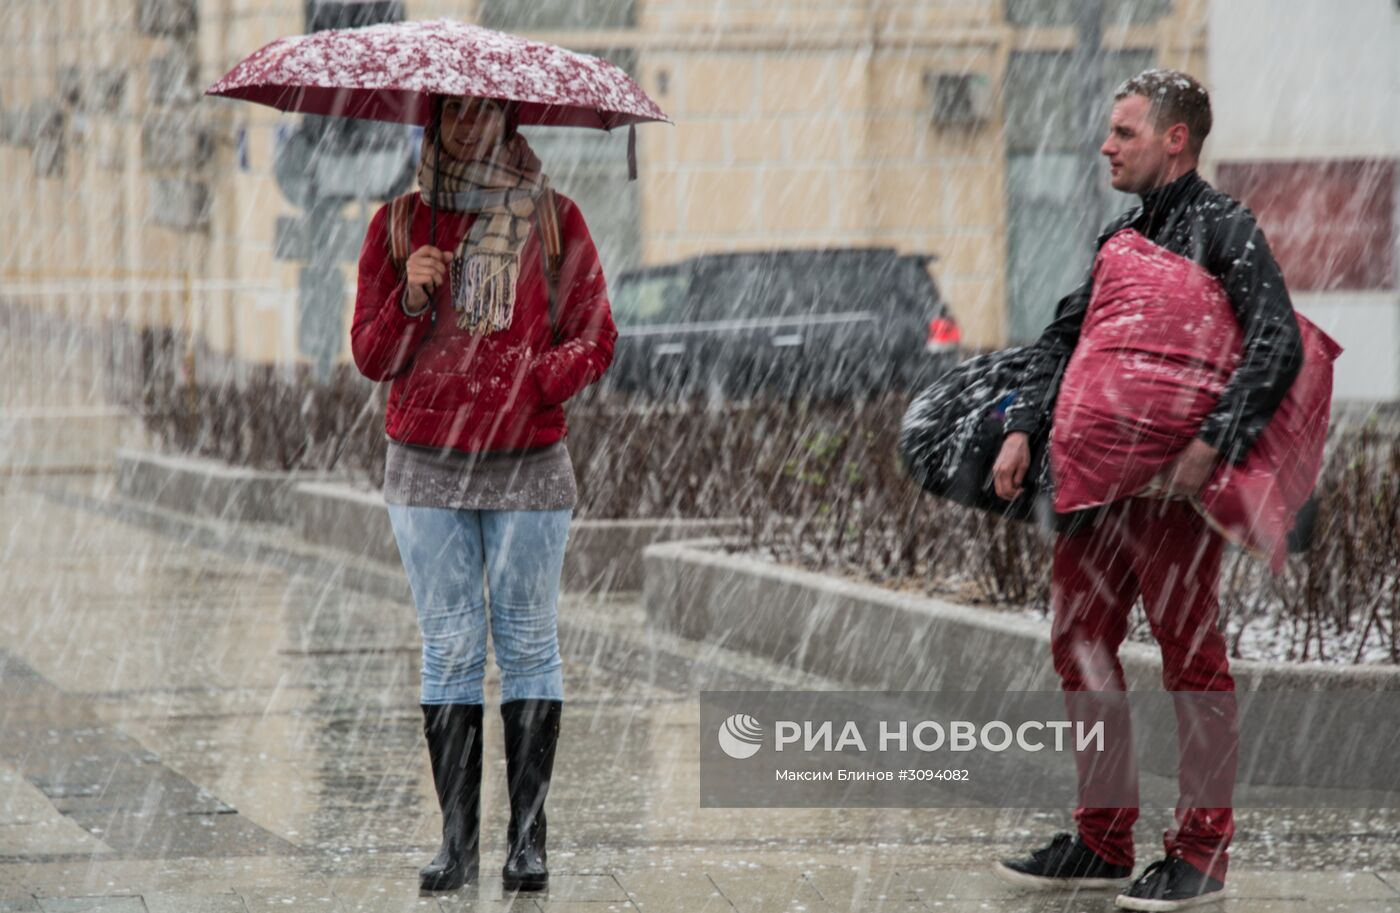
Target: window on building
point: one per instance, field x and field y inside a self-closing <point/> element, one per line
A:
<point x="588" y="166"/>
<point x="1054" y="208"/>
<point x="551" y="15"/>
<point x="1066" y="12"/>
<point x="351" y="14"/>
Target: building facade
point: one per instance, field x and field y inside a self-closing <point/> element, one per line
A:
<point x="957" y="128"/>
<point x="1307" y="134"/>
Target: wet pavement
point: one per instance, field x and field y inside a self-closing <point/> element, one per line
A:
<point x="196" y="717"/>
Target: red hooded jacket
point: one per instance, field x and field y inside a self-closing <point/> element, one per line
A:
<point x="504" y="391"/>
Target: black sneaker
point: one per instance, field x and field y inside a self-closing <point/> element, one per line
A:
<point x="1170" y="884"/>
<point x="1065" y="863"/>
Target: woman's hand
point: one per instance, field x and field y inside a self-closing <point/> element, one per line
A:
<point x="426" y="269"/>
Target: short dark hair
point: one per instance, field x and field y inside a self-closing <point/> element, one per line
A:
<point x="1176" y="97"/>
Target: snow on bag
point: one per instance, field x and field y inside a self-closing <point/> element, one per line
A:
<point x="952" y="432"/>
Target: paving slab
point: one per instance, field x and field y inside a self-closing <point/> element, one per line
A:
<point x="84" y="876"/>
<point x="761" y="888"/>
<point x="21" y="802"/>
<point x="383" y="895"/>
<point x="947" y="884"/>
<point x="194" y="903"/>
<point x="1316" y="905"/>
<point x="484" y="900"/>
<point x="1050" y="902"/>
<point x="859" y="887"/>
<point x="19" y="904"/>
<point x="1300" y="885"/>
<point x="48" y="838"/>
<point x="651" y="889"/>
<point x="683" y="904"/>
<point x="291" y="898"/>
<point x="101" y="904"/>
<point x="583" y="888"/>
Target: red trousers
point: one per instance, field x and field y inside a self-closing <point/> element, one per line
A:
<point x="1163" y="552"/>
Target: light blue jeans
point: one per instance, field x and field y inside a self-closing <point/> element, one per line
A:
<point x="518" y="555"/>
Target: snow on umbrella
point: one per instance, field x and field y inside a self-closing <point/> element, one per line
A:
<point x="392" y="72"/>
<point x="395" y="71"/>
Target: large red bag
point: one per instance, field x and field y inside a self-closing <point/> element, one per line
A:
<point x="1158" y="344"/>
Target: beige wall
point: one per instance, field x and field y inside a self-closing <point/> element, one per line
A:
<point x="809" y="123"/>
<point x="797" y="124"/>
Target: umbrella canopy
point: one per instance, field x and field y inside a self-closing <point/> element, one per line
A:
<point x="391" y="72"/>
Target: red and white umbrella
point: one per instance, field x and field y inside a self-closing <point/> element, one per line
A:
<point x="392" y="72"/>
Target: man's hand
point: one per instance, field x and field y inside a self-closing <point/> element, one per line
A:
<point x="426" y="269"/>
<point x="1014" y="461"/>
<point x="1189" y="474"/>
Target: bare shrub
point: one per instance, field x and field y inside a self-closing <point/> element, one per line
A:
<point x="819" y="485"/>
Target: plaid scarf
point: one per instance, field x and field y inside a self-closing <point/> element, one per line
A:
<point x="503" y="190"/>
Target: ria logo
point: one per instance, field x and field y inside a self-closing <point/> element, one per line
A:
<point x="741" y="736"/>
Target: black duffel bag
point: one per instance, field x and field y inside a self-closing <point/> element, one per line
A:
<point x="952" y="433"/>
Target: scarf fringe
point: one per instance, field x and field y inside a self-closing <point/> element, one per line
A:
<point x="484" y="295"/>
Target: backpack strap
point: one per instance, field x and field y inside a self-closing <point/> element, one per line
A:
<point x="552" y="249"/>
<point x="400" y="221"/>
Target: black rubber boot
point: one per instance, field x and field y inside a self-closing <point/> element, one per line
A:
<point x="454" y="745"/>
<point x="531" y="733"/>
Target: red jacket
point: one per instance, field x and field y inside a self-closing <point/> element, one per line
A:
<point x="504" y="391"/>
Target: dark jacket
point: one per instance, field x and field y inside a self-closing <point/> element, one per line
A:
<point x="1194" y="220"/>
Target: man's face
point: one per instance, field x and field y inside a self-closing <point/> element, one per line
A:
<point x="1139" y="156"/>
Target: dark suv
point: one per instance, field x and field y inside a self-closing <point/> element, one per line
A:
<point x="824" y="323"/>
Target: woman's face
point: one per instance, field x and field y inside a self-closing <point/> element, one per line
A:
<point x="472" y="127"/>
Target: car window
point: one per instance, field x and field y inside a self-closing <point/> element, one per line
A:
<point x="742" y="288"/>
<point x="650" y="299"/>
<point x="919" y="287"/>
<point x="782" y="287"/>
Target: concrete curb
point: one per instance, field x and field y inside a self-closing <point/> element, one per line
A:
<point x="883" y="639"/>
<point x="603" y="555"/>
<point x="880" y="639"/>
<point x="207" y="487"/>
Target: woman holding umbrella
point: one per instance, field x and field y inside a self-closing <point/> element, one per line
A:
<point x="478" y="482"/>
<point x="482" y="299"/>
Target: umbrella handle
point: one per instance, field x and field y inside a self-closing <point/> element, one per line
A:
<point x="631" y="152"/>
<point x="437" y="168"/>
